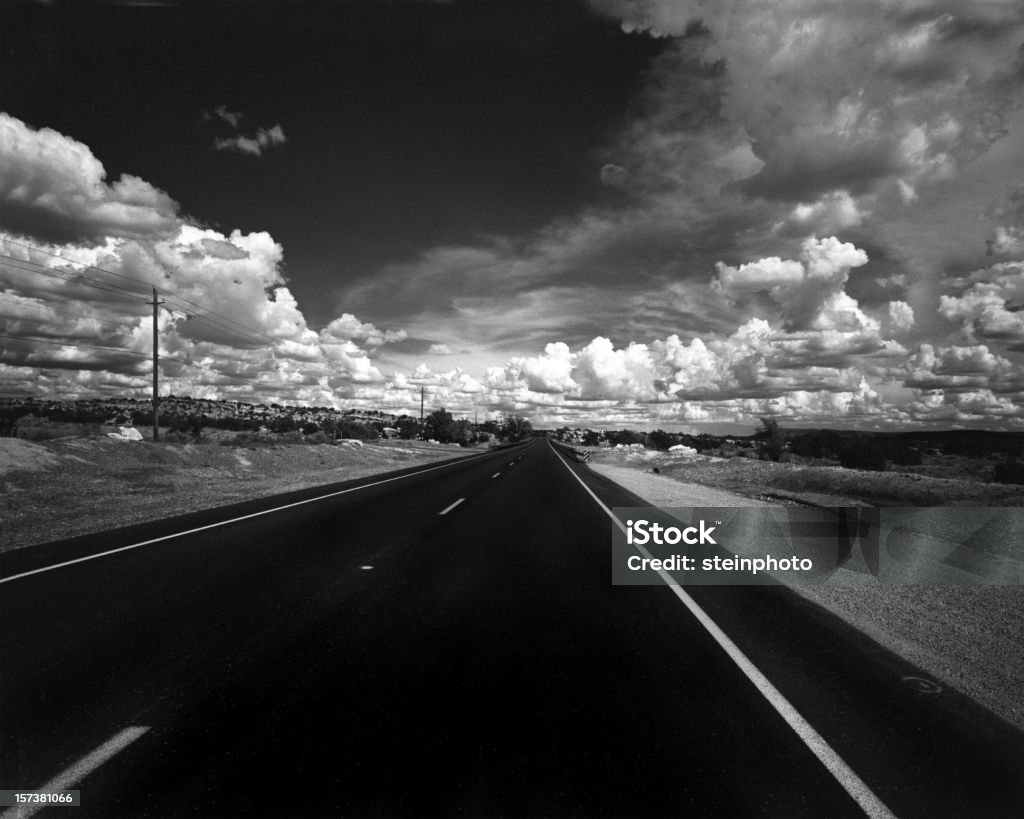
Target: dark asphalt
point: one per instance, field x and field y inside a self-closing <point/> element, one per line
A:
<point x="484" y="665"/>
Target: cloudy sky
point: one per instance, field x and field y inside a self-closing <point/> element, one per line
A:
<point x="645" y="213"/>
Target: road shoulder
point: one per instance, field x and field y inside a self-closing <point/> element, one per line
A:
<point x="968" y="637"/>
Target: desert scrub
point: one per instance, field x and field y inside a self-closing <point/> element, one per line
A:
<point x="33" y="428"/>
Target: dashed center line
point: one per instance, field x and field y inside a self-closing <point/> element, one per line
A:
<point x="449" y="509"/>
<point x="495" y="475"/>
<point x="229" y="521"/>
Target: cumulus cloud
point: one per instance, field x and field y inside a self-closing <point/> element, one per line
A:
<point x="992" y="305"/>
<point x="52" y="187"/>
<point x="900" y="317"/>
<point x="82" y="257"/>
<point x="808" y="290"/>
<point x="348" y="328"/>
<point x="229" y="324"/>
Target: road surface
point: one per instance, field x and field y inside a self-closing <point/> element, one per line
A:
<point x="447" y="641"/>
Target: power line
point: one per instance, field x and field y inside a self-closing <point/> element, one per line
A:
<point x="14" y="263"/>
<point x="37" y="340"/>
<point x="205" y="312"/>
<point x="250" y="337"/>
<point x="75" y="261"/>
<point x="54" y="310"/>
<point x="194" y="310"/>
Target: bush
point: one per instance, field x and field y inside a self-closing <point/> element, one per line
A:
<point x="660" y="440"/>
<point x="33" y="428"/>
<point x="242" y="439"/>
<point x="821" y="443"/>
<point x="1010" y="471"/>
<point x="862" y="452"/>
<point x="903" y="454"/>
<point x="177" y="436"/>
<point x="186" y="427"/>
<point x="773" y="439"/>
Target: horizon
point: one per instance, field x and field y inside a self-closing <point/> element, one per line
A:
<point x="602" y="214"/>
<point x="713" y="430"/>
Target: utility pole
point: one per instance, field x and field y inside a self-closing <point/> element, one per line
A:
<point x="156" y="369"/>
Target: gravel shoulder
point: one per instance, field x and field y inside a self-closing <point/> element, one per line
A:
<point x="967" y="637"/>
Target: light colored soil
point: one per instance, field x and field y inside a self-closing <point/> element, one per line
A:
<point x="822" y="485"/>
<point x="73" y="486"/>
<point x="967" y="637"/>
<point x="659" y="490"/>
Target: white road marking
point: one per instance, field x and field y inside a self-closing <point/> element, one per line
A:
<point x="76" y="772"/>
<point x="449" y="508"/>
<point x="366" y="568"/>
<point x="843" y="773"/>
<point x="495" y="475"/>
<point x="225" y="522"/>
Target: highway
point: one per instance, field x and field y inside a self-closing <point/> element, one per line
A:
<point x="446" y="641"/>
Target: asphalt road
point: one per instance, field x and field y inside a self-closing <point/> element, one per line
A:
<point x="448" y="642"/>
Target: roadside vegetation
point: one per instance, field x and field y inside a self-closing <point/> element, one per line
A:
<point x="974" y="455"/>
<point x="187" y="420"/>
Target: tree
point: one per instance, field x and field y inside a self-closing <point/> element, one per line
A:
<point x="627" y="437"/>
<point x="659" y="439"/>
<point x="283" y="423"/>
<point x="1011" y="470"/>
<point x="350" y="428"/>
<point x="862" y="452"/>
<point x="773" y="439"/>
<point x="516" y="428"/>
<point x="490" y="427"/>
<point x="408" y="428"/>
<point x="462" y="432"/>
<point x="439" y="426"/>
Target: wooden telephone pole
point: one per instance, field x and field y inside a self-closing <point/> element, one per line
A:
<point x="156" y="369"/>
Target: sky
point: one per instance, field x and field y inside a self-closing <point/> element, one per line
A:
<point x="667" y="214"/>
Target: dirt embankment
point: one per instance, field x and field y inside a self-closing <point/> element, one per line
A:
<point x="72" y="486"/>
<point x="967" y="637"/>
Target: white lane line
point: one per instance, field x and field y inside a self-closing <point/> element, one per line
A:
<point x="495" y="475"/>
<point x="76" y="772"/>
<point x="843" y="773"/>
<point x="449" y="509"/>
<point x="226" y="522"/>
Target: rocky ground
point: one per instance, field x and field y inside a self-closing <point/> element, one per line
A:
<point x="967" y="637"/>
